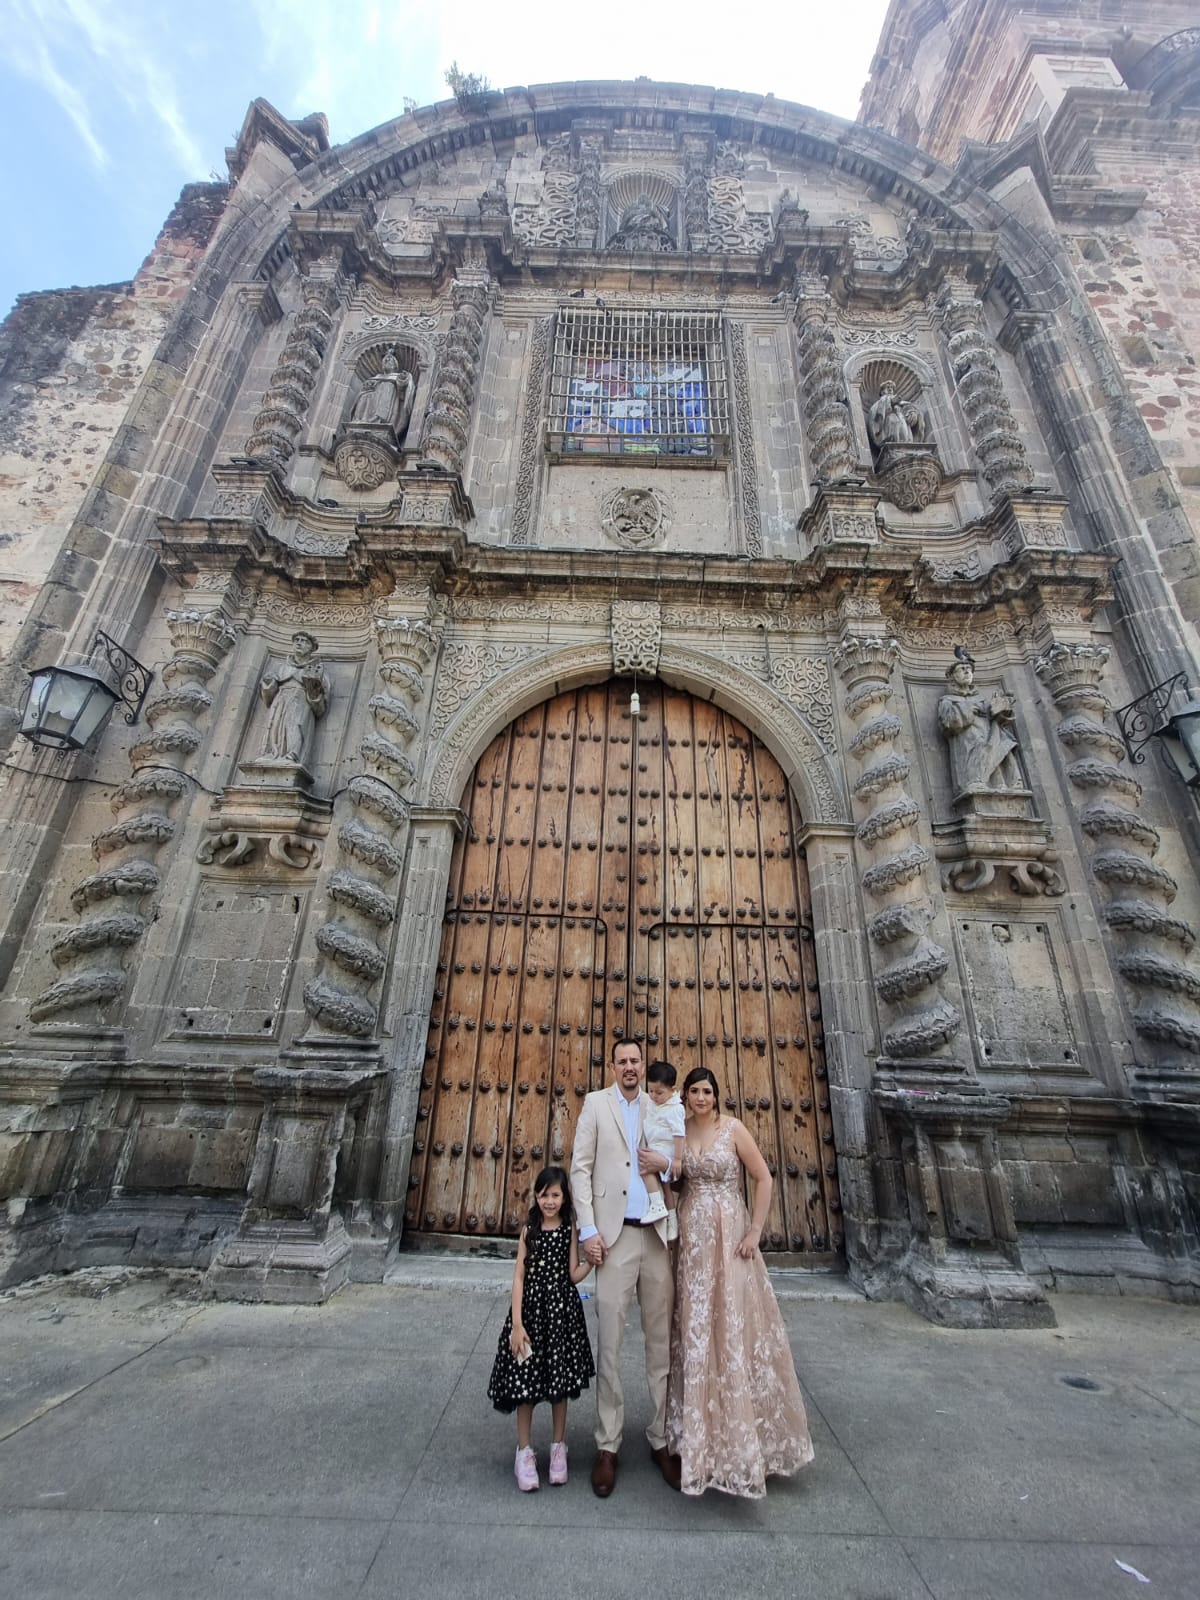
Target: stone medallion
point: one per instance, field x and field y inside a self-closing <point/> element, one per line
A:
<point x="637" y="519"/>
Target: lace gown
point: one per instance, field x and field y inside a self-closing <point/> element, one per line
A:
<point x="734" y="1412"/>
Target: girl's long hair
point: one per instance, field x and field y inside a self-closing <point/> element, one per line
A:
<point x="546" y="1179"/>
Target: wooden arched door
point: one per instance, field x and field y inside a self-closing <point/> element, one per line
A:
<point x="622" y="877"/>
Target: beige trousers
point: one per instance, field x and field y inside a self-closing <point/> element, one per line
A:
<point x="639" y="1262"/>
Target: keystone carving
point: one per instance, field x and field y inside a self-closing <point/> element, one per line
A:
<point x="636" y="637"/>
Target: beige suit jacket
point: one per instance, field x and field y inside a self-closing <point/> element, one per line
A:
<point x="600" y="1166"/>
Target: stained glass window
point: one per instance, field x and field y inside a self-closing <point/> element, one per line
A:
<point x="638" y="383"/>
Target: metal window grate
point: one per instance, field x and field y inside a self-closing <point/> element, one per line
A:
<point x="638" y="383"/>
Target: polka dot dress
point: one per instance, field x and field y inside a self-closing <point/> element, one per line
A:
<point x="552" y="1312"/>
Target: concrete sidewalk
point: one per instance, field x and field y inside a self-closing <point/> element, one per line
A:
<point x="154" y="1446"/>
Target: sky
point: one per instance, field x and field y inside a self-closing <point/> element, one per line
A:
<point x="108" y="107"/>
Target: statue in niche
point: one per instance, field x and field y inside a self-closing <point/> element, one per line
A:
<point x="894" y="421"/>
<point x="979" y="731"/>
<point x="297" y="696"/>
<point x="906" y="465"/>
<point x="387" y="399"/>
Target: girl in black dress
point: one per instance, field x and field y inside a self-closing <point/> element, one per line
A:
<point x="544" y="1353"/>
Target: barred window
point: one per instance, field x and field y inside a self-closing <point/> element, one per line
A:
<point x="638" y="383"/>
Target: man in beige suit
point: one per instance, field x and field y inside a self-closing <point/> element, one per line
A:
<point x="609" y="1169"/>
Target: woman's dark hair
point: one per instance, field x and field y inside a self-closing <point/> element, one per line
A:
<point x="546" y="1179"/>
<point x="703" y="1075"/>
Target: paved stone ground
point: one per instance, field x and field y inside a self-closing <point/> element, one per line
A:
<point x="154" y="1446"/>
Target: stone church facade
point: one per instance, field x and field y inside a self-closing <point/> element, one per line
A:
<point x="622" y="560"/>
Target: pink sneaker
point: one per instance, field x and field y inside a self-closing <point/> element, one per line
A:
<point x="558" y="1463"/>
<point x="525" y="1467"/>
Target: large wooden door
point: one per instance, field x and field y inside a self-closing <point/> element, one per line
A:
<point x="622" y="878"/>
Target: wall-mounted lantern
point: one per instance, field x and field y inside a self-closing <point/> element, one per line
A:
<point x="66" y="707"/>
<point x="1178" y="733"/>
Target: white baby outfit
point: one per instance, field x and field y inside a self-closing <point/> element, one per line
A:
<point x="660" y="1129"/>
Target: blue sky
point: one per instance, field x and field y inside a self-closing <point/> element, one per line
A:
<point x="107" y="107"/>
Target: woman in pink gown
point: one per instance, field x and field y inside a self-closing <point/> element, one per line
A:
<point x="734" y="1412"/>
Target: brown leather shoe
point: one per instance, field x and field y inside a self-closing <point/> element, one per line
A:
<point x="670" y="1466"/>
<point x="604" y="1474"/>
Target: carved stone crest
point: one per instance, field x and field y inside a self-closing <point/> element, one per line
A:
<point x="638" y="519"/>
<point x="363" y="463"/>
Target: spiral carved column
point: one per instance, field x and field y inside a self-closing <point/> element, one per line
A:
<point x="111" y="902"/>
<point x="1151" y="944"/>
<point x="285" y="404"/>
<point x="448" y="420"/>
<point x="826" y="413"/>
<point x="989" y="416"/>
<point x="920" y="1023"/>
<point x="351" y="944"/>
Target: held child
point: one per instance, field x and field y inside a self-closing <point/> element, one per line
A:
<point x="543" y="1353"/>
<point x="663" y="1131"/>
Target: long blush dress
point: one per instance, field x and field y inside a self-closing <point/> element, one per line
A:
<point x="734" y="1412"/>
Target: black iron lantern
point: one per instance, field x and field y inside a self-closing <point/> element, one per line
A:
<point x="66" y="707"/>
<point x="1178" y="735"/>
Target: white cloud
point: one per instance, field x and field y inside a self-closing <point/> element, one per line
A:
<point x="81" y="52"/>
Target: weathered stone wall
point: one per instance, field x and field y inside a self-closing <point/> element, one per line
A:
<point x="71" y="361"/>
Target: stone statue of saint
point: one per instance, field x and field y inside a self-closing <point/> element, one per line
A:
<point x="979" y="731"/>
<point x="889" y="420"/>
<point x="296" y="694"/>
<point x="387" y="399"/>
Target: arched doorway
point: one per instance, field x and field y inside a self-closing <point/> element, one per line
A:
<point x="622" y="877"/>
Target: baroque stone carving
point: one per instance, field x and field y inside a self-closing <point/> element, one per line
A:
<point x="386" y="400"/>
<point x="747" y="457"/>
<point x="399" y="322"/>
<point x="826" y="412"/>
<point x="464" y="669"/>
<point x="351" y="958"/>
<point x="1150" y="943"/>
<point x="531" y="432"/>
<point x="804" y="681"/>
<point x="297" y="696"/>
<point x="636" y="637"/>
<point x="285" y="404"/>
<point x="920" y="1022"/>
<point x="643" y="229"/>
<point x="637" y="519"/>
<point x="241" y="503"/>
<point x="906" y="467"/>
<point x="448" y="420"/>
<point x="978" y="730"/>
<point x="990" y="420"/>
<point x="92" y="955"/>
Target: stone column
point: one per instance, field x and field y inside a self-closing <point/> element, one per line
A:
<point x="826" y="412"/>
<point x="989" y="416"/>
<point x="1150" y="943"/>
<point x="285" y="404"/>
<point x="111" y="902"/>
<point x="448" y="420"/>
<point x="340" y="998"/>
<point x="920" y="1024"/>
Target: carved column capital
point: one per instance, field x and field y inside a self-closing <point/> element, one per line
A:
<point x="861" y="656"/>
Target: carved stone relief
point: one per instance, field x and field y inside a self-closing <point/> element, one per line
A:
<point x="636" y="519"/>
<point x="636" y="637"/>
<point x="803" y="681"/>
<point x="464" y="669"/>
<point x="747" y="457"/>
